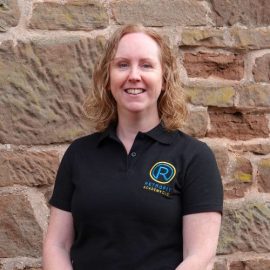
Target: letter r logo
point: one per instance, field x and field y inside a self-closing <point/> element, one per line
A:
<point x="162" y="172"/>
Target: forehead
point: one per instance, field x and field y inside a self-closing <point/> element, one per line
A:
<point x="136" y="45"/>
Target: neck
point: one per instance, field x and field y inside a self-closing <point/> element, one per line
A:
<point x="129" y="125"/>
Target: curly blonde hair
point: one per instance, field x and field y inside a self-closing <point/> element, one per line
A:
<point x="100" y="106"/>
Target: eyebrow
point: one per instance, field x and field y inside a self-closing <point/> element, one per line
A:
<point x="124" y="58"/>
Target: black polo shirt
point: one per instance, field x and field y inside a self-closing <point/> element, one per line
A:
<point x="128" y="209"/>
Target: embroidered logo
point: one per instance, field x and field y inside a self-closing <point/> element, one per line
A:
<point x="162" y="172"/>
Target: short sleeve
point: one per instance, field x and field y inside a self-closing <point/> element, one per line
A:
<point x="64" y="187"/>
<point x="202" y="188"/>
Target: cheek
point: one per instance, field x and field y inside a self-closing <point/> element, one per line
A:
<point x="116" y="78"/>
<point x="158" y="81"/>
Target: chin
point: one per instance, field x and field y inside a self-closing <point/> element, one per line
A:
<point x="135" y="108"/>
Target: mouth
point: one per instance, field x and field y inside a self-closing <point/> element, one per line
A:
<point x="134" y="91"/>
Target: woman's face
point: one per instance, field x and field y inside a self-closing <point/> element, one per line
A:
<point x="136" y="75"/>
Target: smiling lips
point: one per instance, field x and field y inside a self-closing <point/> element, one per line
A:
<point x="134" y="91"/>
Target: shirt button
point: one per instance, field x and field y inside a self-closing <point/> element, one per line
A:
<point x="133" y="154"/>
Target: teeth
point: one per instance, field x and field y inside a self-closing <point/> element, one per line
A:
<point x="135" y="91"/>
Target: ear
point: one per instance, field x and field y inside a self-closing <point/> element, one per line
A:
<point x="163" y="86"/>
<point x="108" y="88"/>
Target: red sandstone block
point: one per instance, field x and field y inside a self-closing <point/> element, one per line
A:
<point x="261" y="69"/>
<point x="237" y="125"/>
<point x="204" y="65"/>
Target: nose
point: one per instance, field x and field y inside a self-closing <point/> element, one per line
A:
<point x="134" y="74"/>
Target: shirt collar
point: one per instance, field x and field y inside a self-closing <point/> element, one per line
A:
<point x="158" y="133"/>
<point x="110" y="131"/>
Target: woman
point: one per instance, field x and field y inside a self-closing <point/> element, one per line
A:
<point x="138" y="194"/>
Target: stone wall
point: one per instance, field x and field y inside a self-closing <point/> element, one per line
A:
<point x="47" y="50"/>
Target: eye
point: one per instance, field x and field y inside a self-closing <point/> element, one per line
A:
<point x="147" y="65"/>
<point x="122" y="65"/>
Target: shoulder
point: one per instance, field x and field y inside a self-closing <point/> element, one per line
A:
<point x="190" y="144"/>
<point x="91" y="139"/>
<point x="84" y="143"/>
